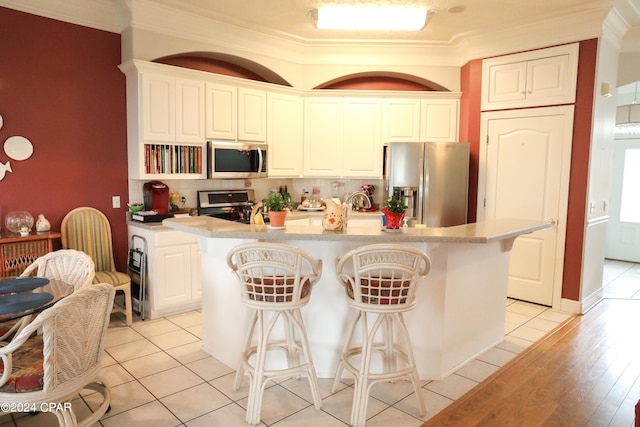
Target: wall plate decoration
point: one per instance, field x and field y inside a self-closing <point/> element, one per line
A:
<point x="18" y="148"/>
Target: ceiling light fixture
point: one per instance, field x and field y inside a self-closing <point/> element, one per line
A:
<point x="375" y="18"/>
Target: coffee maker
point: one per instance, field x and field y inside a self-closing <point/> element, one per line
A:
<point x="156" y="197"/>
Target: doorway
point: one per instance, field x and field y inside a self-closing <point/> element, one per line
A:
<point x="623" y="228"/>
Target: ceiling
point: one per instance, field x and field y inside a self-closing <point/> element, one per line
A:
<point x="453" y="20"/>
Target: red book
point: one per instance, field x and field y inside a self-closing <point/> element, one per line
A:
<point x="147" y="155"/>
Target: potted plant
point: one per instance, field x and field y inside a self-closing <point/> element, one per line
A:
<point x="277" y="205"/>
<point x="393" y="210"/>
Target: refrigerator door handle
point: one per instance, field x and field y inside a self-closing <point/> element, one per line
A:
<point x="386" y="168"/>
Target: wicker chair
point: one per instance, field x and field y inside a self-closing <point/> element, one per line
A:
<point x="67" y="265"/>
<point x="53" y="367"/>
<point x="276" y="279"/>
<point x="88" y="230"/>
<point x="380" y="283"/>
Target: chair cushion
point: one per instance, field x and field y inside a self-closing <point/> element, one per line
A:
<point x="28" y="369"/>
<point x="259" y="289"/>
<point x="114" y="278"/>
<point x="393" y="291"/>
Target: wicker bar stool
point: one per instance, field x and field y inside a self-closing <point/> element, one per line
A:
<point x="275" y="280"/>
<point x="380" y="283"/>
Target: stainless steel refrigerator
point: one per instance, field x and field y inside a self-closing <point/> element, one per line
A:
<point x="432" y="178"/>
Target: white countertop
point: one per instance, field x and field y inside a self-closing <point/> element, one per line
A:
<point x="480" y="232"/>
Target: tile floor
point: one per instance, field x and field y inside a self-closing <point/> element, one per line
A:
<point x="160" y="376"/>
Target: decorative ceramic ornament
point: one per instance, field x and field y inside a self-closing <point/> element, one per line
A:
<point x="42" y="224"/>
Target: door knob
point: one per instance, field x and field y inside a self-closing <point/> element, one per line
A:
<point x="553" y="221"/>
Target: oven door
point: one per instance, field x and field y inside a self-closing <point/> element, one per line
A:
<point x="229" y="159"/>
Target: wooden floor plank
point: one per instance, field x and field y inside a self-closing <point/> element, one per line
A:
<point x="586" y="373"/>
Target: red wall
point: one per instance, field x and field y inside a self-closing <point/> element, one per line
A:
<point x="470" y="84"/>
<point x="579" y="175"/>
<point x="60" y="87"/>
<point x="211" y="66"/>
<point x="376" y="83"/>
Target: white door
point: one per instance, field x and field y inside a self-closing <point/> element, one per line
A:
<point x="526" y="176"/>
<point x="623" y="228"/>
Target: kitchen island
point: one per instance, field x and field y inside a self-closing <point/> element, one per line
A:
<point x="461" y="304"/>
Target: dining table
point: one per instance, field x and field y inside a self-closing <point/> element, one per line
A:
<point x="25" y="296"/>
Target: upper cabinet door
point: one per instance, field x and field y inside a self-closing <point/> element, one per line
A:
<point x="362" y="143"/>
<point x="158" y="108"/>
<point x="439" y="120"/>
<point x="548" y="79"/>
<point x="252" y="115"/>
<point x="401" y="120"/>
<point x="284" y="135"/>
<point x="507" y="82"/>
<point x="323" y="137"/>
<point x="537" y="78"/>
<point x="189" y="111"/>
<point x="221" y="121"/>
<point x="172" y="109"/>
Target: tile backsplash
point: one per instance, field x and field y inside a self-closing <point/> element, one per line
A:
<point x="262" y="186"/>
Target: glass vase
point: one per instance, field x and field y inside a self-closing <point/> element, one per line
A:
<point x="19" y="222"/>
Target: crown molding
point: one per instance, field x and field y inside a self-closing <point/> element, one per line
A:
<point x="170" y="22"/>
<point x="562" y="30"/>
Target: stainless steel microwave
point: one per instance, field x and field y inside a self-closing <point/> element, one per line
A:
<point x="229" y="159"/>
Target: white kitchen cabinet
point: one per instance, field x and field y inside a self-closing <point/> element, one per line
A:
<point x="165" y="123"/>
<point x="528" y="79"/>
<point x="342" y="137"/>
<point x="235" y="113"/>
<point x="221" y="121"/>
<point x="401" y="120"/>
<point x="173" y="270"/>
<point x="172" y="109"/>
<point x="323" y="137"/>
<point x="158" y="108"/>
<point x="439" y="120"/>
<point x="252" y="115"/>
<point x="172" y="112"/>
<point x="284" y="134"/>
<point x="189" y="111"/>
<point x="420" y="119"/>
<point x="362" y="138"/>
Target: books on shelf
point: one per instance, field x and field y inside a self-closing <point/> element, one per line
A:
<point x="173" y="159"/>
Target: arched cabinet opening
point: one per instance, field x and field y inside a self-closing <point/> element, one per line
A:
<point x="225" y="64"/>
<point x="382" y="81"/>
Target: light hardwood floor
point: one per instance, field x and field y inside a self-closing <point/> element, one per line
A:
<point x="585" y="373"/>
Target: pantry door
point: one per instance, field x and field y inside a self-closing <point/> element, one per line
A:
<point x="526" y="175"/>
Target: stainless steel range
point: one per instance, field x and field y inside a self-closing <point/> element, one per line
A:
<point x="232" y="205"/>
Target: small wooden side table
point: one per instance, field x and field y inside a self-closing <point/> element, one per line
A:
<point x="17" y="252"/>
